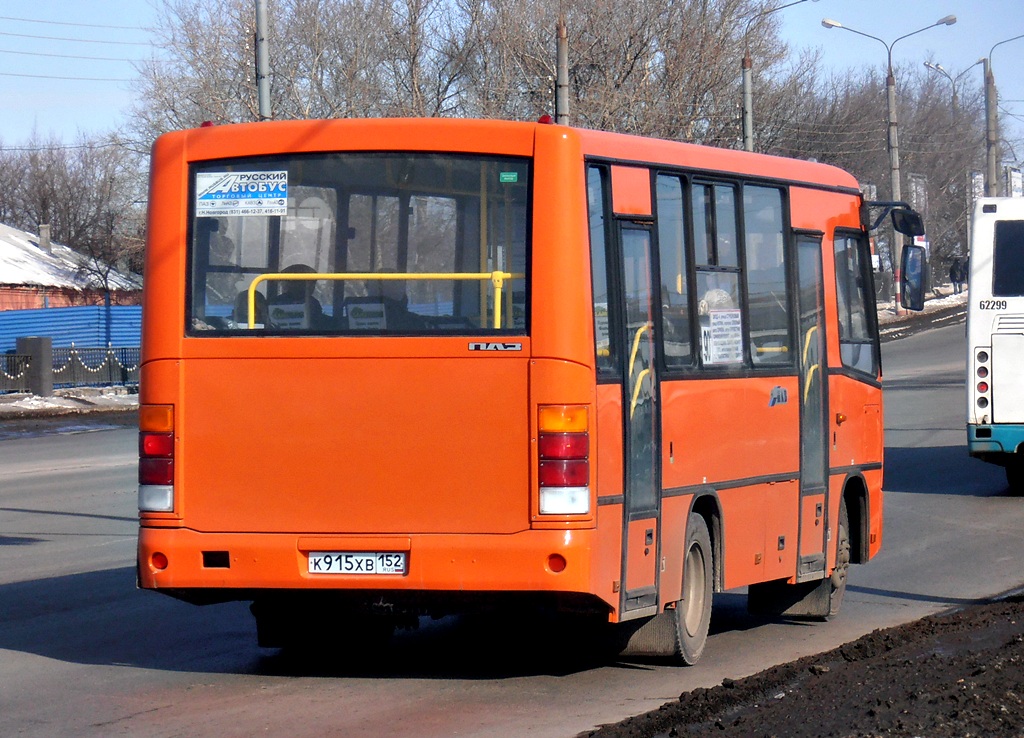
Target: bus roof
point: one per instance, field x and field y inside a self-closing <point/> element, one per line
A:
<point x="487" y="136"/>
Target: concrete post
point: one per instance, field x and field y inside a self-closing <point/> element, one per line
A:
<point x="40" y="370"/>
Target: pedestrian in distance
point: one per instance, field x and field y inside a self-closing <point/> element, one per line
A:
<point x="955" y="275"/>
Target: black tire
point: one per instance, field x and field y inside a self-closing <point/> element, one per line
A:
<point x="842" y="569"/>
<point x="693" y="611"/>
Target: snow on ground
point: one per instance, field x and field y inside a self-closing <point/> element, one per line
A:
<point x="67" y="402"/>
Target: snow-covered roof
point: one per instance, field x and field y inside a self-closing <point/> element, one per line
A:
<point x="24" y="263"/>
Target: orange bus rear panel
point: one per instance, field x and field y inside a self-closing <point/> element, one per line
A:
<point x="339" y="445"/>
<point x="239" y="565"/>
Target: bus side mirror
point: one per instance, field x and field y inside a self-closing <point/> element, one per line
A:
<point x="908" y="222"/>
<point x="912" y="277"/>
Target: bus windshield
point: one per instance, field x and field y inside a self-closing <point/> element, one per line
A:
<point x="359" y="243"/>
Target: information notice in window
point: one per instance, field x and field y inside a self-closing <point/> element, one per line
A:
<point x="722" y="337"/>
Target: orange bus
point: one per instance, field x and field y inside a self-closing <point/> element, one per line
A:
<point x="396" y="368"/>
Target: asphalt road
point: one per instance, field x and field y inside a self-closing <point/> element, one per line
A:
<point x="83" y="653"/>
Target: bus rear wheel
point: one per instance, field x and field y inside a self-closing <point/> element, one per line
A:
<point x="679" y="633"/>
<point x="1015" y="476"/>
<point x="837" y="581"/>
<point x="693" y="611"/>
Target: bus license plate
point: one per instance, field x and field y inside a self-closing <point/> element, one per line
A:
<point x="341" y="562"/>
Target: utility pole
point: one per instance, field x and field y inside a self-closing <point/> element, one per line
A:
<point x="262" y="61"/>
<point x="991" y="134"/>
<point x="562" y="75"/>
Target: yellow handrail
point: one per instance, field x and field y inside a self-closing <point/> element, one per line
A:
<point x="636" y="391"/>
<point x="636" y="345"/>
<point x="497" y="279"/>
<point x="813" y="367"/>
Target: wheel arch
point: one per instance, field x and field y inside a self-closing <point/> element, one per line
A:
<point x="707" y="505"/>
<point x="855" y="495"/>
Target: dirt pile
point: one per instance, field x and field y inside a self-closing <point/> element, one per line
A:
<point x="959" y="674"/>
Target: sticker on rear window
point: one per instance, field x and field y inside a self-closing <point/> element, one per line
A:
<point x="220" y="194"/>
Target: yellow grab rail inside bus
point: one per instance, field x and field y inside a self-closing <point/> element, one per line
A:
<point x="814" y="367"/>
<point x="632" y="361"/>
<point x="636" y="345"/>
<point x="497" y="279"/>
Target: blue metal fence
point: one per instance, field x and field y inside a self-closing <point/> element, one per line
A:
<point x="92" y="325"/>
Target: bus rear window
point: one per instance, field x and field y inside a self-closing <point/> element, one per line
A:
<point x="1008" y="259"/>
<point x="346" y="243"/>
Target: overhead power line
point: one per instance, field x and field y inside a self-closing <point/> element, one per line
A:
<point x="76" y="40"/>
<point x="72" y="56"/>
<point x="77" y="79"/>
<point x="66" y="23"/>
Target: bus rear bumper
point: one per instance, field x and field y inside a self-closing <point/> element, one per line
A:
<point x="215" y="567"/>
<point x="988" y="441"/>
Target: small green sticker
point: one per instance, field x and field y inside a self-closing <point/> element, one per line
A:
<point x="506" y="177"/>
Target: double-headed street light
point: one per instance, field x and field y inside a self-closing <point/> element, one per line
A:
<point x="938" y="68"/>
<point x="893" y="139"/>
<point x="747" y="67"/>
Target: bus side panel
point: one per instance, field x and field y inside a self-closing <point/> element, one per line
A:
<point x="674" y="513"/>
<point x="744" y="515"/>
<point x="562" y="307"/>
<point x="164" y="295"/>
<point x="713" y="430"/>
<point x="606" y="470"/>
<point x="714" y="435"/>
<point x="783" y="529"/>
<point x="857" y="439"/>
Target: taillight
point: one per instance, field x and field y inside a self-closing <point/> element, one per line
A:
<point x="563" y="447"/>
<point x="156" y="458"/>
<point x="983" y="387"/>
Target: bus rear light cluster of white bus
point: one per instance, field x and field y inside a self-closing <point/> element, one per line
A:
<point x="156" y="458"/>
<point x="982" y="386"/>
<point x="563" y="446"/>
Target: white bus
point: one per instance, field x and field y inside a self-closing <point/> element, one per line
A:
<point x="995" y="337"/>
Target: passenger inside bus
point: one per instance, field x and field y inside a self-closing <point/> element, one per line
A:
<point x="240" y="314"/>
<point x="294" y="306"/>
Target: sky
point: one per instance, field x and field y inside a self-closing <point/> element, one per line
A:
<point x="42" y="43"/>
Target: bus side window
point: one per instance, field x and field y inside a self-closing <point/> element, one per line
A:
<point x="854" y="295"/>
<point x="675" y="306"/>
<point x="718" y="274"/>
<point x="767" y="298"/>
<point x="598" y="206"/>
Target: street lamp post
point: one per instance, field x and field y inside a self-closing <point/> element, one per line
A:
<point x="747" y="67"/>
<point x="938" y="68"/>
<point x="896" y="246"/>
<point x="962" y="230"/>
<point x="992" y="121"/>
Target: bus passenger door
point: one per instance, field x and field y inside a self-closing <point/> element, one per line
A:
<point x="813" y="414"/>
<point x="641" y="547"/>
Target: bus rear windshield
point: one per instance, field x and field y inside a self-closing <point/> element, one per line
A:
<point x="346" y="243"/>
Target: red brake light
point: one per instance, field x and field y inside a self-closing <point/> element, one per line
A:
<point x="982" y="386"/>
<point x="156" y="444"/>
<point x="156" y="471"/>
<point x="564" y="445"/>
<point x="568" y="473"/>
